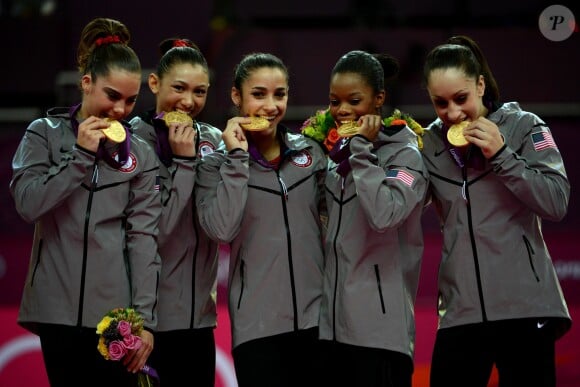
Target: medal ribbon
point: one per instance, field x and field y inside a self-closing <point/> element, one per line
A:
<point x="257" y="156"/>
<point x="162" y="147"/>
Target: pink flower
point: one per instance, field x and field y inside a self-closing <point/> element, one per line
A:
<point x="132" y="342"/>
<point x="124" y="328"/>
<point x="117" y="350"/>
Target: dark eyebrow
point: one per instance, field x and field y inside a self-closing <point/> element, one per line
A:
<point x="112" y="91"/>
<point x="461" y="92"/>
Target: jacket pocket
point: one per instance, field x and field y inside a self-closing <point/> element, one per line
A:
<point x="531" y="254"/>
<point x="242" y="269"/>
<point x="37" y="263"/>
<point x="379" y="289"/>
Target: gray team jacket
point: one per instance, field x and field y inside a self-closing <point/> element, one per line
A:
<point x="188" y="284"/>
<point x="94" y="246"/>
<point x="374" y="244"/>
<point x="495" y="264"/>
<point x="271" y="220"/>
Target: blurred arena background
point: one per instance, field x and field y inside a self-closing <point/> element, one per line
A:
<point x="39" y="40"/>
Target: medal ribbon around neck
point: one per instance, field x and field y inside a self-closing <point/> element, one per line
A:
<point x="162" y="147"/>
<point x="473" y="157"/>
<point x="259" y="158"/>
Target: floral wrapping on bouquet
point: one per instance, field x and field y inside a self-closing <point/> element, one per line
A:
<point x="120" y="332"/>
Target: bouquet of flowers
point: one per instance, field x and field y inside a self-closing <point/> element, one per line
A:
<point x="120" y="332"/>
<point x="322" y="128"/>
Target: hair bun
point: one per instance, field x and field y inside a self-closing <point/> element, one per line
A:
<point x="390" y="65"/>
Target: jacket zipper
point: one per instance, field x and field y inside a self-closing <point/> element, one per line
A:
<point x="335" y="290"/>
<point x="289" y="247"/>
<point x="94" y="181"/>
<point x="194" y="267"/>
<point x="465" y="193"/>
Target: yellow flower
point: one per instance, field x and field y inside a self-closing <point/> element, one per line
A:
<point x="104" y="324"/>
<point x="102" y="347"/>
<point x="398" y="118"/>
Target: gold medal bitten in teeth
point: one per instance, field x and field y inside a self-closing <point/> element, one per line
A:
<point x="177" y="117"/>
<point x="115" y="132"/>
<point x="257" y="123"/>
<point x="455" y="134"/>
<point x="348" y="129"/>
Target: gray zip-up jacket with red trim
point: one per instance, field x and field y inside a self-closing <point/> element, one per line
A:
<point x="495" y="264"/>
<point x="271" y="220"/>
<point x="94" y="245"/>
<point x="188" y="283"/>
<point x="374" y="243"/>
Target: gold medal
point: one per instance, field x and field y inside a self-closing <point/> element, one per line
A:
<point x="348" y="129"/>
<point x="115" y="132"/>
<point x="177" y="117"/>
<point x="455" y="134"/>
<point x="257" y="124"/>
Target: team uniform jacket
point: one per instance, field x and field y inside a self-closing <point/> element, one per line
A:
<point x="495" y="264"/>
<point x="94" y="245"/>
<point x="188" y="284"/>
<point x="374" y="243"/>
<point x="271" y="220"/>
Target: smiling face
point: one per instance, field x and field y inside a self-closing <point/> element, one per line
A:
<point x="113" y="96"/>
<point x="455" y="96"/>
<point x="183" y="88"/>
<point x="352" y="97"/>
<point x="263" y="93"/>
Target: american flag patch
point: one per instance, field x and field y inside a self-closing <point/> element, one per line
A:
<point x="399" y="174"/>
<point x="157" y="186"/>
<point x="543" y="140"/>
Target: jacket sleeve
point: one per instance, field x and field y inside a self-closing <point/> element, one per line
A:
<point x="221" y="191"/>
<point x="387" y="193"/>
<point x="40" y="182"/>
<point x="143" y="213"/>
<point x="534" y="173"/>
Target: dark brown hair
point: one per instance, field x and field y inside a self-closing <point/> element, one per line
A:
<point x="103" y="46"/>
<point x="463" y="53"/>
<point x="177" y="50"/>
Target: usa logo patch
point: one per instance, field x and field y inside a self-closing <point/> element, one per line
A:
<point x="302" y="159"/>
<point x="205" y="148"/>
<point x="129" y="165"/>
